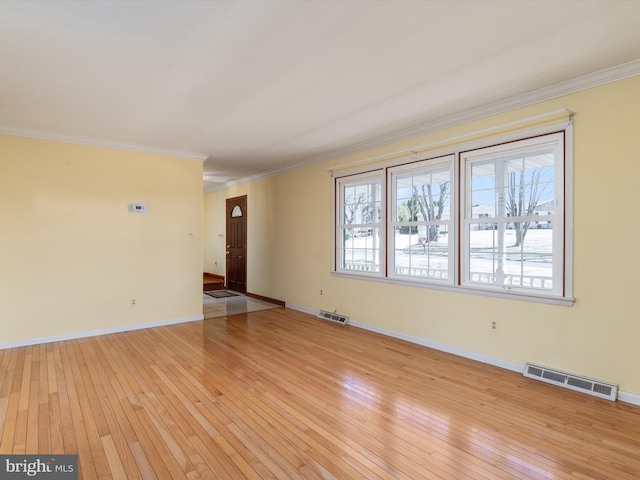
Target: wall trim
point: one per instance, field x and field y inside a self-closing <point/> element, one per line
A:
<point x="94" y="333"/>
<point x="302" y="309"/>
<point x="629" y="397"/>
<point x="265" y="299"/>
<point x="567" y="87"/>
<point x="515" y="367"/>
<point x="467" y="290"/>
<point x="623" y="396"/>
<point x="94" y="142"/>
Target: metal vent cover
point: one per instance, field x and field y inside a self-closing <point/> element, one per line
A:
<point x="334" y="317"/>
<point x="573" y="382"/>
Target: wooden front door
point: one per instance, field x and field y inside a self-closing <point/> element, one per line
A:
<point x="237" y="244"/>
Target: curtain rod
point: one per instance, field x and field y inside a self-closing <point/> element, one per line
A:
<point x="415" y="150"/>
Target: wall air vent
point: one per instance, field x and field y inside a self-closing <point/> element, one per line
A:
<point x="593" y="387"/>
<point x="334" y="317"/>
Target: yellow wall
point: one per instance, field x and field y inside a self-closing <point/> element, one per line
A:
<point x="597" y="337"/>
<point x="214" y="233"/>
<point x="262" y="237"/>
<point x="72" y="256"/>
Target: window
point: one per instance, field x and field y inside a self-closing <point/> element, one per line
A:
<point x="236" y="212"/>
<point x="360" y="229"/>
<point x="481" y="218"/>
<point x="421" y="220"/>
<point x="512" y="234"/>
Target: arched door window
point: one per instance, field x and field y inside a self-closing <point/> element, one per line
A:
<point x="236" y="212"/>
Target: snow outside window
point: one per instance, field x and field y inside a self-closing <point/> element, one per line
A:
<point x="492" y="217"/>
<point x="513" y="215"/>
<point x="421" y="227"/>
<point x="360" y="232"/>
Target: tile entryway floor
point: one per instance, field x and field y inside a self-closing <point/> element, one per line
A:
<point x="220" y="307"/>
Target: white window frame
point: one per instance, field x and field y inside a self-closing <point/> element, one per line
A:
<point x="493" y="154"/>
<point x="562" y="293"/>
<point x="340" y="183"/>
<point x="423" y="166"/>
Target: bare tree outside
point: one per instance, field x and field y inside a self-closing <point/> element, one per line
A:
<point x="523" y="198"/>
<point x="352" y="204"/>
<point x="361" y="215"/>
<point x="363" y="203"/>
<point x="431" y="206"/>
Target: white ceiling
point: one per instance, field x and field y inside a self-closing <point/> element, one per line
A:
<point x="259" y="86"/>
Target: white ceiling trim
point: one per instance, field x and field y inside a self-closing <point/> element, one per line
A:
<point x="94" y="142"/>
<point x="584" y="82"/>
<point x="591" y="80"/>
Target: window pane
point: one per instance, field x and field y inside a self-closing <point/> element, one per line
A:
<point x="423" y="195"/>
<point x="431" y="192"/>
<point x="516" y="262"/>
<point x="236" y="212"/>
<point x="362" y="203"/>
<point x="361" y="249"/>
<point x="529" y="184"/>
<point x="482" y="253"/>
<point x="414" y="256"/>
<point x="403" y="186"/>
<point x="483" y="190"/>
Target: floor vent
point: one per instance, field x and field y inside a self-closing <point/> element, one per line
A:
<point x="334" y="317"/>
<point x="572" y="382"/>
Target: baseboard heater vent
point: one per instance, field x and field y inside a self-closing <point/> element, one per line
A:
<point x="334" y="317"/>
<point x="572" y="382"/>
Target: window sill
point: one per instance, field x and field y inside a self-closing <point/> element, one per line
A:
<point x="526" y="297"/>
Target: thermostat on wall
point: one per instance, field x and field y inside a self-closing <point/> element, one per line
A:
<point x="138" y="208"/>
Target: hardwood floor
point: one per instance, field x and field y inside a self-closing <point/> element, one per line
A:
<point x="280" y="394"/>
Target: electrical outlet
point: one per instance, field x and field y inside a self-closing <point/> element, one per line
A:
<point x="494" y="325"/>
<point x="321" y="293"/>
<point x="133" y="302"/>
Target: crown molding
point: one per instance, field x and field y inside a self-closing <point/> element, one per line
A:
<point x="602" y="77"/>
<point x="94" y="142"/>
<point x="269" y="173"/>
<point x="574" y="85"/>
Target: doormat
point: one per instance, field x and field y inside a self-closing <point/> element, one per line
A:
<point x="222" y="294"/>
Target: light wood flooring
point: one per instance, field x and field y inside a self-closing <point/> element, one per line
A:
<point x="281" y="394"/>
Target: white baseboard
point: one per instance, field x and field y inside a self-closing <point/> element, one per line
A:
<point x="302" y="309"/>
<point x="629" y="397"/>
<point x="93" y="333"/>
<point x="516" y="367"/>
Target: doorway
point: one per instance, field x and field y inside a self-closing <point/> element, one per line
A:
<point x="236" y="255"/>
